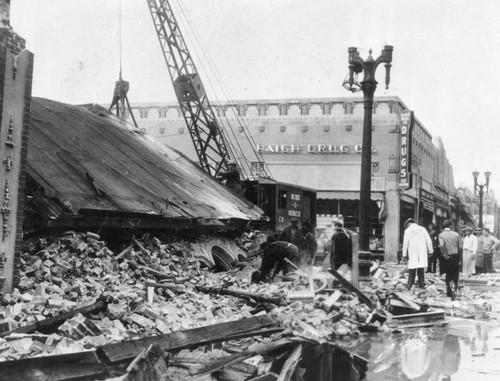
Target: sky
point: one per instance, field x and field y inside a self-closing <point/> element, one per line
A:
<point x="444" y="59"/>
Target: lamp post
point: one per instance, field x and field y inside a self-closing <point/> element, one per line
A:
<point x="479" y="189"/>
<point x="368" y="86"/>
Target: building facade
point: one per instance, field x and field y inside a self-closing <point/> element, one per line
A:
<point x="316" y="143"/>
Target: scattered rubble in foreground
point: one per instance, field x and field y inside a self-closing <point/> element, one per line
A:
<point x="154" y="308"/>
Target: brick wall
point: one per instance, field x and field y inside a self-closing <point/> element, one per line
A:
<point x="16" y="72"/>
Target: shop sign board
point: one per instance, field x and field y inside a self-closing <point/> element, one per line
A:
<point x="405" y="150"/>
<point x="378" y="184"/>
<point x="310" y="148"/>
<point x="257" y="168"/>
<point x="295" y="205"/>
<point x="427" y="199"/>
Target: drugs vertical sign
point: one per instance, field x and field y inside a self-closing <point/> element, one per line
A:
<point x="405" y="150"/>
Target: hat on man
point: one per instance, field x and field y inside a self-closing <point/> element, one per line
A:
<point x="447" y="223"/>
<point x="294" y="220"/>
<point x="409" y="221"/>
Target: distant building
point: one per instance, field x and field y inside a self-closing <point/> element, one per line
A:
<point x="317" y="143"/>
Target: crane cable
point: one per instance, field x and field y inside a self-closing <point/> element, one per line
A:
<point x="186" y="27"/>
<point x="241" y="122"/>
<point x="120" y="35"/>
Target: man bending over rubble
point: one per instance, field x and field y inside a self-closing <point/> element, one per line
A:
<point x="274" y="254"/>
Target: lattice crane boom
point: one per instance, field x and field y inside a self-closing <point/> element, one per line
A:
<point x="207" y="136"/>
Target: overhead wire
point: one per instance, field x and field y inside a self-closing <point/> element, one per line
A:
<point x="120" y="45"/>
<point x="188" y="25"/>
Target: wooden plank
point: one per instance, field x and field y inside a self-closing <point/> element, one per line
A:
<point x="411" y="304"/>
<point x="95" y="365"/>
<point x="265" y="377"/>
<point x="242" y="294"/>
<point x="75" y="366"/>
<point x="188" y="339"/>
<point x="290" y="364"/>
<point x="362" y="297"/>
<point x="54" y="321"/>
<point x="420" y="318"/>
<point x="260" y="348"/>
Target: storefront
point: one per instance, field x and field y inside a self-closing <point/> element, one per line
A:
<point x="443" y="209"/>
<point x="316" y="143"/>
<point x="427" y="208"/>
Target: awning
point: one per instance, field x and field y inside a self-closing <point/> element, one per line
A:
<point x="347" y="195"/>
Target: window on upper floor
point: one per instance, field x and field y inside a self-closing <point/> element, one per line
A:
<point x="162" y="112"/>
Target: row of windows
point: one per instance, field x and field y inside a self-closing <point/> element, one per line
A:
<point x="426" y="149"/>
<point x="348" y="128"/>
<point x="263" y="109"/>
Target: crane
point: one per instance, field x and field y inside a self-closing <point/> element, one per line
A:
<point x="280" y="201"/>
<point x="207" y="136"/>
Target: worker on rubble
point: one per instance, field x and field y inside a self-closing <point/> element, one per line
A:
<point x="273" y="259"/>
<point x="307" y="247"/>
<point x="341" y="247"/>
<point x="232" y="177"/>
<point x="291" y="233"/>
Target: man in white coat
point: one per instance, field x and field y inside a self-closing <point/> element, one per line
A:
<point x="417" y="245"/>
<point x="469" y="252"/>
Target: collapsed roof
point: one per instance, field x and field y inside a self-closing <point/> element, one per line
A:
<point x="85" y="166"/>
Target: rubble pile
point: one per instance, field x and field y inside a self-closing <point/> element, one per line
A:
<point x="149" y="288"/>
<point x="76" y="295"/>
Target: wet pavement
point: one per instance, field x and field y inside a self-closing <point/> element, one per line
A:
<point x="463" y="349"/>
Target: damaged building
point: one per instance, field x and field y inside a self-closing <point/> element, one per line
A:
<point x="88" y="170"/>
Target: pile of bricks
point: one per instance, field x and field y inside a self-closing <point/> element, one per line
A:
<point x="149" y="286"/>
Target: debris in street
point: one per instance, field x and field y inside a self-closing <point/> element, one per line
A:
<point x="78" y="301"/>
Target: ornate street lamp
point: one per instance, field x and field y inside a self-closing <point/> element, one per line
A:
<point x="479" y="189"/>
<point x="368" y="86"/>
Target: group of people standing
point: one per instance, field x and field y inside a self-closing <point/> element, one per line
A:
<point x="454" y="252"/>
